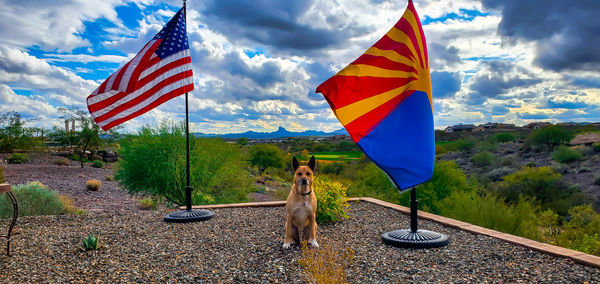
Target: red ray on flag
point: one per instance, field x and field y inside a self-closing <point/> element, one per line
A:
<point x="384" y="101"/>
<point x="161" y="71"/>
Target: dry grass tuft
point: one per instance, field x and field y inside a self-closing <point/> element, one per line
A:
<point x="93" y="184"/>
<point x="325" y="265"/>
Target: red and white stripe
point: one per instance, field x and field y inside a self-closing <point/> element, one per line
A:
<point x="142" y="84"/>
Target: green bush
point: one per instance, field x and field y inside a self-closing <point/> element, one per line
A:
<point x="596" y="147"/>
<point x="34" y="199"/>
<point x="543" y="185"/>
<point x="550" y="136"/>
<point x="370" y="181"/>
<point x="489" y="211"/>
<point x="17" y="158"/>
<point x="499" y="173"/>
<point x="97" y="164"/>
<point x="483" y="159"/>
<point x="504" y="137"/>
<point x="597" y="180"/>
<point x="265" y="156"/>
<point x="582" y="230"/>
<point x="334" y="168"/>
<point x="466" y="145"/>
<point x="154" y="163"/>
<point x="1" y="176"/>
<point x="331" y="201"/>
<point x="565" y="154"/>
<point x="447" y="178"/>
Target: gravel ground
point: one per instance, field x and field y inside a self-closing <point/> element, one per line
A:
<point x="70" y="180"/>
<point x="244" y="245"/>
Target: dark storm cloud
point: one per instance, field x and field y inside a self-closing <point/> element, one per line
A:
<point x="445" y="84"/>
<point x="585" y="82"/>
<point x="442" y="56"/>
<point x="496" y="79"/>
<point x="566" y="32"/>
<point x="265" y="75"/>
<point x="274" y="23"/>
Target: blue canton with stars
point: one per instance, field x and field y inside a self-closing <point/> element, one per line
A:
<point x="173" y="35"/>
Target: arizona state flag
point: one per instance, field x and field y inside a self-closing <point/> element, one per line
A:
<point x="383" y="99"/>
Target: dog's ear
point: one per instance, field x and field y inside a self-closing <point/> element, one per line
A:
<point x="295" y="164"/>
<point x="311" y="163"/>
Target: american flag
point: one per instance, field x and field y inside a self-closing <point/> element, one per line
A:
<point x="161" y="71"/>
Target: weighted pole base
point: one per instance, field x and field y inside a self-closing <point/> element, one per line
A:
<point x="419" y="239"/>
<point x="188" y="216"/>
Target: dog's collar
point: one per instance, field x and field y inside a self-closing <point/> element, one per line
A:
<point x="305" y="194"/>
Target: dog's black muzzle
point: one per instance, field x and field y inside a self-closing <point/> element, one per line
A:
<point x="303" y="181"/>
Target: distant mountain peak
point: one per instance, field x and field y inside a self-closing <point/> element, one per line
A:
<point x="281" y="132"/>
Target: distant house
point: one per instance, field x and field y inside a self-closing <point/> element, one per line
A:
<point x="537" y="125"/>
<point x="478" y="129"/>
<point x="489" y="125"/>
<point x="460" y="128"/>
<point x="339" y="137"/>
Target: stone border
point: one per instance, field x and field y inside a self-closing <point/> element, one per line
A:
<point x="576" y="256"/>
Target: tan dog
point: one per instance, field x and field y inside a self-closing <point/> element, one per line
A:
<point x="301" y="207"/>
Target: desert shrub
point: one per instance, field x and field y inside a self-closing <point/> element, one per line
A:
<point x="62" y="162"/>
<point x="304" y="155"/>
<point x="508" y="162"/>
<point x="504" y="137"/>
<point x="582" y="230"/>
<point x="34" y="199"/>
<point x="154" y="163"/>
<point x="334" y="168"/>
<point x="543" y="185"/>
<point x="110" y="178"/>
<point x="447" y="178"/>
<point x="265" y="156"/>
<point x="597" y="180"/>
<point x="550" y="136"/>
<point x="324" y="265"/>
<point x="93" y="185"/>
<point x="584" y="170"/>
<point x="69" y="205"/>
<point x="483" y="159"/>
<point x="148" y="203"/>
<point x="466" y="145"/>
<point x="499" y="173"/>
<point x="91" y="242"/>
<point x="445" y="147"/>
<point x="17" y="158"/>
<point x="596" y="147"/>
<point x="331" y="201"/>
<point x="530" y="165"/>
<point x="489" y="211"/>
<point x="559" y="167"/>
<point x="97" y="164"/>
<point x="565" y="154"/>
<point x="370" y="181"/>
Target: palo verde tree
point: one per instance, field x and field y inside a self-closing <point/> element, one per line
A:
<point x="264" y="156"/>
<point x="550" y="136"/>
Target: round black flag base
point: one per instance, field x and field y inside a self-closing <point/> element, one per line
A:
<point x="188" y="216"/>
<point x="419" y="239"/>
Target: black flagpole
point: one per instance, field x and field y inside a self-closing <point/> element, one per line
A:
<point x="414" y="238"/>
<point x="188" y="215"/>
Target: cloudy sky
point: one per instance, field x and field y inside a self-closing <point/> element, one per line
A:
<point x="258" y="62"/>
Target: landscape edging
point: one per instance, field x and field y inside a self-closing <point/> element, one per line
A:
<point x="576" y="256"/>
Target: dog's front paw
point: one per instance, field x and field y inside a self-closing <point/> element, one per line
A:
<point x="313" y="243"/>
<point x="286" y="246"/>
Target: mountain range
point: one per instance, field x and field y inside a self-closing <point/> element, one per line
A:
<point x="279" y="133"/>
